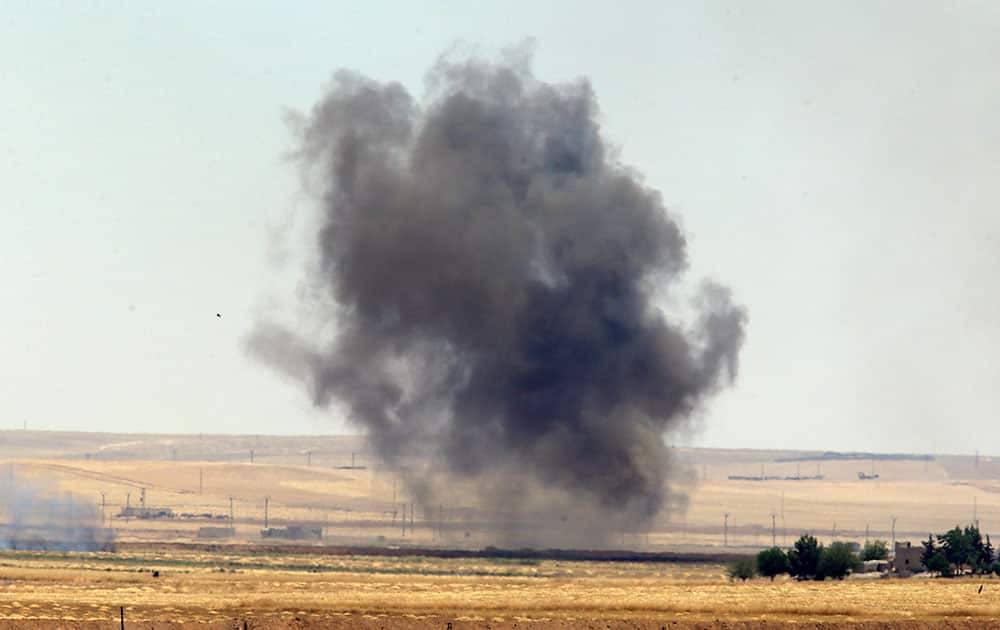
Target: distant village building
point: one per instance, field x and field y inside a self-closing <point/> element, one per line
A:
<point x="874" y="566"/>
<point x="906" y="558"/>
<point x="293" y="532"/>
<point x="216" y="532"/>
<point x="144" y="512"/>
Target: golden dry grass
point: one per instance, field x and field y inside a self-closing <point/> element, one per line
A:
<point x="355" y="507"/>
<point x="193" y="589"/>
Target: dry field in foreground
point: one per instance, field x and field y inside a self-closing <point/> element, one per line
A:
<point x="80" y="590"/>
<point x="305" y="481"/>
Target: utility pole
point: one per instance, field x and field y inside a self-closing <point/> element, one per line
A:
<point x="975" y="507"/>
<point x="866" y="533"/>
<point x="774" y="539"/>
<point x="231" y="521"/>
<point x="893" y="535"/>
<point x="725" y="530"/>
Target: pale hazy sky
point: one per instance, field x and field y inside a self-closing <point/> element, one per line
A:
<point x="836" y="163"/>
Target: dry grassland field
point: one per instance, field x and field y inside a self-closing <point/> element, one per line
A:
<point x="274" y="590"/>
<point x="320" y="583"/>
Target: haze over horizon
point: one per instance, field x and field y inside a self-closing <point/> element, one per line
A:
<point x="834" y="165"/>
<point x="346" y="434"/>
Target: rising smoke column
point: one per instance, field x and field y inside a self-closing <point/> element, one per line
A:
<point x="487" y="269"/>
<point x="34" y="515"/>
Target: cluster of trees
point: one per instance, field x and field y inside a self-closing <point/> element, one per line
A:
<point x="875" y="550"/>
<point x="958" y="551"/>
<point x="955" y="552"/>
<point x="808" y="560"/>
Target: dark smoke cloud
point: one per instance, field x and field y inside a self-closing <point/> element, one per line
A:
<point x="487" y="267"/>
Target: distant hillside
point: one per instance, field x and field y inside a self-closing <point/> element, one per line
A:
<point x="334" y="450"/>
<point x="337" y="450"/>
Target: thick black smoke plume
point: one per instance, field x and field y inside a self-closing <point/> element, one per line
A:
<point x="487" y="267"/>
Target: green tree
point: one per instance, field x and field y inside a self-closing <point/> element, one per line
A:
<point x="980" y="551"/>
<point x="957" y="548"/>
<point x="804" y="559"/>
<point x="744" y="568"/>
<point x="986" y="556"/>
<point x="772" y="562"/>
<point x="938" y="563"/>
<point x="977" y="549"/>
<point x="836" y="561"/>
<point x="875" y="550"/>
<point x="965" y="549"/>
<point x="929" y="550"/>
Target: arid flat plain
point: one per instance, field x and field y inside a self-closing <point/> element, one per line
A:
<point x="332" y="485"/>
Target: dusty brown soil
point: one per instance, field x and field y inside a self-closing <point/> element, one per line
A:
<point x="380" y="622"/>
